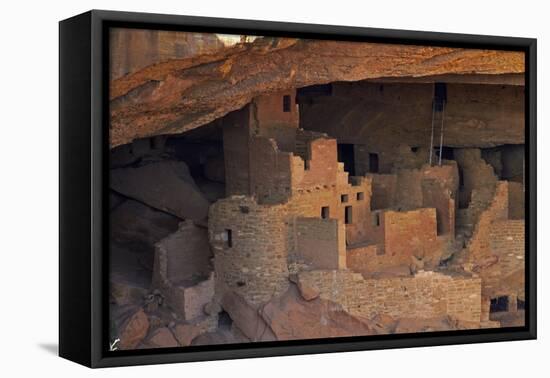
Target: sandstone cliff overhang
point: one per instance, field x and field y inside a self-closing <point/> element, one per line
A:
<point x="179" y="95"/>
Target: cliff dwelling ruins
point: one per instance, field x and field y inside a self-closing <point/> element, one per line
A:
<point x="269" y="189"/>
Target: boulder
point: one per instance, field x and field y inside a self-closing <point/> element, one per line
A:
<point x="134" y="230"/>
<point x="185" y="333"/>
<point x="130" y="326"/>
<point x="290" y="317"/>
<point x="442" y="323"/>
<point x="139" y="226"/>
<point x="246" y="317"/>
<point x="383" y="324"/>
<point x="220" y="336"/>
<point x="161" y="338"/>
<point x="124" y="292"/>
<point x="212" y="308"/>
<point x="308" y="292"/>
<point x="166" y="185"/>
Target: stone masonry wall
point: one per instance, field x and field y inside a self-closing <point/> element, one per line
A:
<point x="252" y="260"/>
<point x="436" y="196"/>
<point x="270" y="171"/>
<point x="477" y="174"/>
<point x="356" y="196"/>
<point x="412" y="233"/>
<point x="516" y="200"/>
<point x="383" y="190"/>
<point x="507" y="242"/>
<point x="477" y="251"/>
<point x="270" y="120"/>
<point x="429" y="186"/>
<point x="320" y="243"/>
<point x="425" y="295"/>
<point x="479" y="257"/>
<point x="321" y="166"/>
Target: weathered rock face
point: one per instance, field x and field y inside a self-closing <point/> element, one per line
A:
<point x="164" y="185"/>
<point x="182" y="94"/>
<point x="161" y="338"/>
<point x="247" y="318"/>
<point x="134" y="49"/>
<point x="185" y="333"/>
<point x="291" y="317"/>
<point x="138" y="226"/>
<point x="445" y="323"/>
<point x="385" y="117"/>
<point x="134" y="230"/>
<point x="131" y="325"/>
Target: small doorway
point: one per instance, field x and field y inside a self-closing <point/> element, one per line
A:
<point x="373" y="163"/>
<point x="346" y="155"/>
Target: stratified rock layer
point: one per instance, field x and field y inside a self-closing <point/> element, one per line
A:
<point x="181" y="94"/>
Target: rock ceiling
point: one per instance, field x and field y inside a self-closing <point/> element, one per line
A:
<point x="178" y="95"/>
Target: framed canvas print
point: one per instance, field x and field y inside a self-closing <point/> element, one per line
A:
<point x="234" y="188"/>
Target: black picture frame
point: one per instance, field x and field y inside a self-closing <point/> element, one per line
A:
<point x="83" y="151"/>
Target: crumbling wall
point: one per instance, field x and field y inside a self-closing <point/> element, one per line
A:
<point x="408" y="191"/>
<point x="270" y="171"/>
<point x="478" y="256"/>
<point x="476" y="175"/>
<point x="236" y="139"/>
<point x="412" y="233"/>
<point x="507" y="242"/>
<point x="182" y="271"/>
<point x="409" y="241"/>
<point x="425" y="295"/>
<point x="183" y="256"/>
<point x="477" y="250"/>
<point x="369" y="258"/>
<point x="436" y="196"/>
<point x="249" y="241"/>
<point x="513" y="162"/>
<point x="321" y="167"/>
<point x="430" y="186"/>
<point x="516" y="200"/>
<point x="276" y="116"/>
<point x="319" y="243"/>
<point x="252" y="140"/>
<point x="383" y="190"/>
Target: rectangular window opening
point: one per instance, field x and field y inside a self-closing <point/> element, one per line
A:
<point x="325" y="212"/>
<point x="376" y="219"/>
<point x="346" y="155"/>
<point x="373" y="163"/>
<point x="228" y="238"/>
<point x="521" y="304"/>
<point x="499" y="304"/>
<point x="360" y="196"/>
<point x="344" y="198"/>
<point x="348" y="215"/>
<point x="460" y="178"/>
<point x="286" y="103"/>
